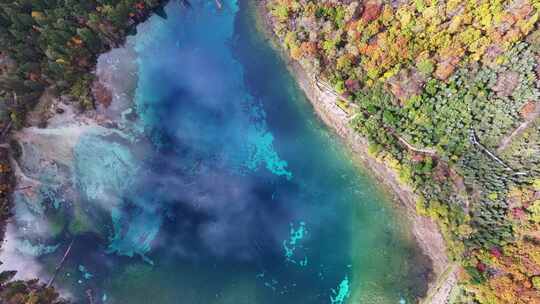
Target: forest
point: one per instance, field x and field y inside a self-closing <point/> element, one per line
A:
<point x="52" y="45"/>
<point x="458" y="81"/>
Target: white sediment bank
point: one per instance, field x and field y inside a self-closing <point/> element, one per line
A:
<point x="45" y="161"/>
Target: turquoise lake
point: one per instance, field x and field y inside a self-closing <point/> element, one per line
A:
<point x="219" y="185"/>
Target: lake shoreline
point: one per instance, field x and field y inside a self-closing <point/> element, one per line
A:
<point x="425" y="230"/>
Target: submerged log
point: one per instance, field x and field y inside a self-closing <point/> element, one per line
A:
<point x="57" y="270"/>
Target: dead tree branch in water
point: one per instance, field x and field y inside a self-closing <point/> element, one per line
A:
<point x="51" y="281"/>
<point x="5" y="131"/>
<point x="90" y="296"/>
<point x="24" y="188"/>
<point x="219" y="4"/>
<point x="185" y="3"/>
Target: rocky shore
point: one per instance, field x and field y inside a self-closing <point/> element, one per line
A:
<point x="425" y="230"/>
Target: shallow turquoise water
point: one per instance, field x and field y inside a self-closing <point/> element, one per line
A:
<point x="224" y="188"/>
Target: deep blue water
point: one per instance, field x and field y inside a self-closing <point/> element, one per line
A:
<point x="225" y="188"/>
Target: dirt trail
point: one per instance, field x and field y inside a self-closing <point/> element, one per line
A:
<point x="519" y="130"/>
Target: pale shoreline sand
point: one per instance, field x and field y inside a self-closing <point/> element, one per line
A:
<point x="425" y="230"/>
